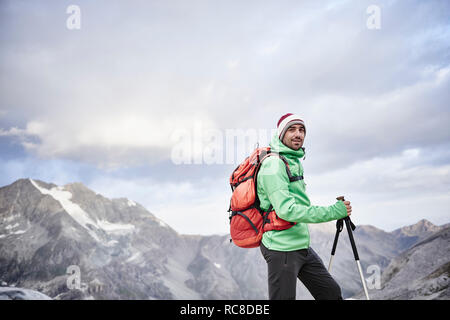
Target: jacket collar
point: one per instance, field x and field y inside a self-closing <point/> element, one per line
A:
<point x="277" y="146"/>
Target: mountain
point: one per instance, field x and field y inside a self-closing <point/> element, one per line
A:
<point x="7" y="293"/>
<point x="69" y="242"/>
<point x="121" y="250"/>
<point x="421" y="272"/>
<point x="376" y="248"/>
<point x="409" y="235"/>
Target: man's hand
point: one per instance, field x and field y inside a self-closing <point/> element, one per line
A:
<point x="348" y="207"/>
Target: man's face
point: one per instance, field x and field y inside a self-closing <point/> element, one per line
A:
<point x="294" y="136"/>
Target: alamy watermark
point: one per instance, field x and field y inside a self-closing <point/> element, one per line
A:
<point x="73" y="22"/>
<point x="74" y="279"/>
<point x="214" y="146"/>
<point x="374" y="20"/>
<point x="374" y="281"/>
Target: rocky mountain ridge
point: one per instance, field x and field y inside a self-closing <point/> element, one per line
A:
<point x="69" y="242"/>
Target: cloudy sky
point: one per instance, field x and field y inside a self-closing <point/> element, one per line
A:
<point x="113" y="103"/>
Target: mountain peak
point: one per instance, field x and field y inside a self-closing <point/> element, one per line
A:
<point x="78" y="188"/>
<point x="422" y="226"/>
<point x="424" y="223"/>
<point x="26" y="182"/>
<point x="416" y="232"/>
<point x="76" y="185"/>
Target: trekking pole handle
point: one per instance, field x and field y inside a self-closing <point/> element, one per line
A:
<point x="347" y="217"/>
<point x="350" y="227"/>
<point x="339" y="227"/>
<point x="343" y="199"/>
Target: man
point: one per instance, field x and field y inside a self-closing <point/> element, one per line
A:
<point x="287" y="252"/>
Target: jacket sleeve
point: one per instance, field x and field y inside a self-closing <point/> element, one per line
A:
<point x="275" y="182"/>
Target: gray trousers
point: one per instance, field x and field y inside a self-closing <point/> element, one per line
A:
<point x="284" y="267"/>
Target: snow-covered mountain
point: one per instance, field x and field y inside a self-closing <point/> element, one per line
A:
<point x="51" y="235"/>
<point x="121" y="250"/>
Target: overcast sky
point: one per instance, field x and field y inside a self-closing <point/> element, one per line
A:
<point x="112" y="103"/>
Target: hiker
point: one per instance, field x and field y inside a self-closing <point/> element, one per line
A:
<point x="287" y="252"/>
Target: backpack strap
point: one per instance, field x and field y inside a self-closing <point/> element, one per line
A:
<point x="266" y="216"/>
<point x="233" y="213"/>
<point x="288" y="171"/>
<point x="292" y="178"/>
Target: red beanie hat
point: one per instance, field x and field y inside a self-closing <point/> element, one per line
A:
<point x="286" y="121"/>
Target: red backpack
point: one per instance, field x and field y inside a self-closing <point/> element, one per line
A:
<point x="247" y="221"/>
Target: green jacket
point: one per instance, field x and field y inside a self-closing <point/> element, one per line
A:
<point x="289" y="200"/>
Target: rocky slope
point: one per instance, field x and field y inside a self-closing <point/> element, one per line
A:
<point x="52" y="236"/>
<point x="11" y="293"/>
<point x="421" y="272"/>
<point x="121" y="250"/>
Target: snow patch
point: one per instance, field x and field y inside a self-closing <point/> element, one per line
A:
<point x="217" y="265"/>
<point x="9" y="231"/>
<point x="81" y="216"/>
<point x="10" y="226"/>
<point x="134" y="257"/>
<point x="74" y="210"/>
<point x="115" y="227"/>
<point x="11" y="218"/>
<point x="162" y="224"/>
<point x="19" y="231"/>
<point x="112" y="243"/>
<point x="131" y="203"/>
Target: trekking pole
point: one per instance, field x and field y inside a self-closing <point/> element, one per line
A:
<point x="350" y="227"/>
<point x="339" y="227"/>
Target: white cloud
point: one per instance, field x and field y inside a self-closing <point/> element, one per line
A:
<point x="113" y="93"/>
<point x="270" y="48"/>
<point x="188" y="208"/>
<point x="11" y="132"/>
<point x="232" y="64"/>
<point x="345" y="129"/>
<point x="208" y="216"/>
<point x="387" y="192"/>
<point x="118" y="109"/>
<point x="113" y="140"/>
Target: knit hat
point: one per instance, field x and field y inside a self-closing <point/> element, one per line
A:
<point x="286" y="121"/>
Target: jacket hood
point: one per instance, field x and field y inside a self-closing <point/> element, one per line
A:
<point x="277" y="146"/>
